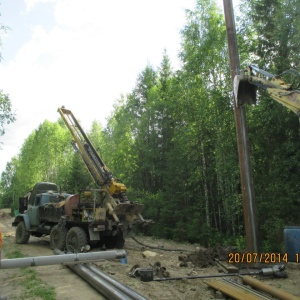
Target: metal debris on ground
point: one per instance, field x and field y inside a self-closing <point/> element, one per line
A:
<point x="159" y="270"/>
<point x="148" y="274"/>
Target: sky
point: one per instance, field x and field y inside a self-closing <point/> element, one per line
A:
<point x="80" y="54"/>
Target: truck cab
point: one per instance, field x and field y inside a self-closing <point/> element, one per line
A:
<point x="33" y="218"/>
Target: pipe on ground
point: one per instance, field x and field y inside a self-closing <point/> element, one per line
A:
<point x="272" y="290"/>
<point x="63" y="258"/>
<point x="194" y="277"/>
<point x="100" y="285"/>
<point x="116" y="284"/>
<point x="103" y="283"/>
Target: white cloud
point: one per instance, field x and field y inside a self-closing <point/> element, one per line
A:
<point x="30" y="4"/>
<point x="92" y="54"/>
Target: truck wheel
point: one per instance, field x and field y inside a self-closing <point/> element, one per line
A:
<point x="22" y="235"/>
<point x="76" y="239"/>
<point x="58" y="238"/>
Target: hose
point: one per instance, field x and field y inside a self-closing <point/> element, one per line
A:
<point x="156" y="247"/>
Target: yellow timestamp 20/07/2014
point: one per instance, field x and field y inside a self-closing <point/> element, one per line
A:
<point x="267" y="258"/>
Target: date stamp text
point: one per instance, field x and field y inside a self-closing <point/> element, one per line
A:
<point x="266" y="258"/>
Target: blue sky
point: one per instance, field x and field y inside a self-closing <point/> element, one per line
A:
<point x="80" y="54"/>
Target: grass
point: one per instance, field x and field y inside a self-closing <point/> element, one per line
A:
<point x="33" y="286"/>
<point x="15" y="254"/>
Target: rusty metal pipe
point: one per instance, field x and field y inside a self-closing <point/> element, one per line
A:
<point x="249" y="205"/>
<point x="116" y="284"/>
<point x="63" y="258"/>
<point x="272" y="290"/>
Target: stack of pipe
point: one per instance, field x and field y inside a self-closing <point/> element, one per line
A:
<point x="103" y="283"/>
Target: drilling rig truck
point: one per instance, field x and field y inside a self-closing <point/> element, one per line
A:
<point x="73" y="221"/>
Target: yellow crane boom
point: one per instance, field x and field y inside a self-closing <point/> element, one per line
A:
<point x="287" y="94"/>
<point x="98" y="170"/>
<point x="116" y="200"/>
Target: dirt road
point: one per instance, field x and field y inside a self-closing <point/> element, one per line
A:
<point x="69" y="286"/>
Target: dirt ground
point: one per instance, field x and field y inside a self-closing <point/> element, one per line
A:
<point x="69" y="285"/>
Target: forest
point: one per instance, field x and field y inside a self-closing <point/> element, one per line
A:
<point x="172" y="138"/>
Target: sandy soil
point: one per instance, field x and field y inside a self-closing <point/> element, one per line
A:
<point x="69" y="286"/>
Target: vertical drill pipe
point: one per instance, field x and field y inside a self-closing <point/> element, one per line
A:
<point x="121" y="287"/>
<point x="242" y="137"/>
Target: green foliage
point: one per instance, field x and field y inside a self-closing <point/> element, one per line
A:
<point x="77" y="177"/>
<point x="6" y="114"/>
<point x="272" y="230"/>
<point x="273" y="130"/>
<point x="241" y="243"/>
<point x="44" y="156"/>
<point x="8" y="184"/>
<point x="276" y="28"/>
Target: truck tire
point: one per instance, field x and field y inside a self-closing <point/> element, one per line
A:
<point x="76" y="239"/>
<point x="58" y="238"/>
<point x="22" y="235"/>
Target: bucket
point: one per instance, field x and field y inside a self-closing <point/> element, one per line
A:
<point x="123" y="261"/>
<point x="146" y="274"/>
<point x="292" y="242"/>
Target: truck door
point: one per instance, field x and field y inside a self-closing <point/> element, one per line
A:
<point x="23" y="203"/>
<point x="33" y="211"/>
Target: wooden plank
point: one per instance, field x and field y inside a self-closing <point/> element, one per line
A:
<point x="226" y="267"/>
<point x="232" y="291"/>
